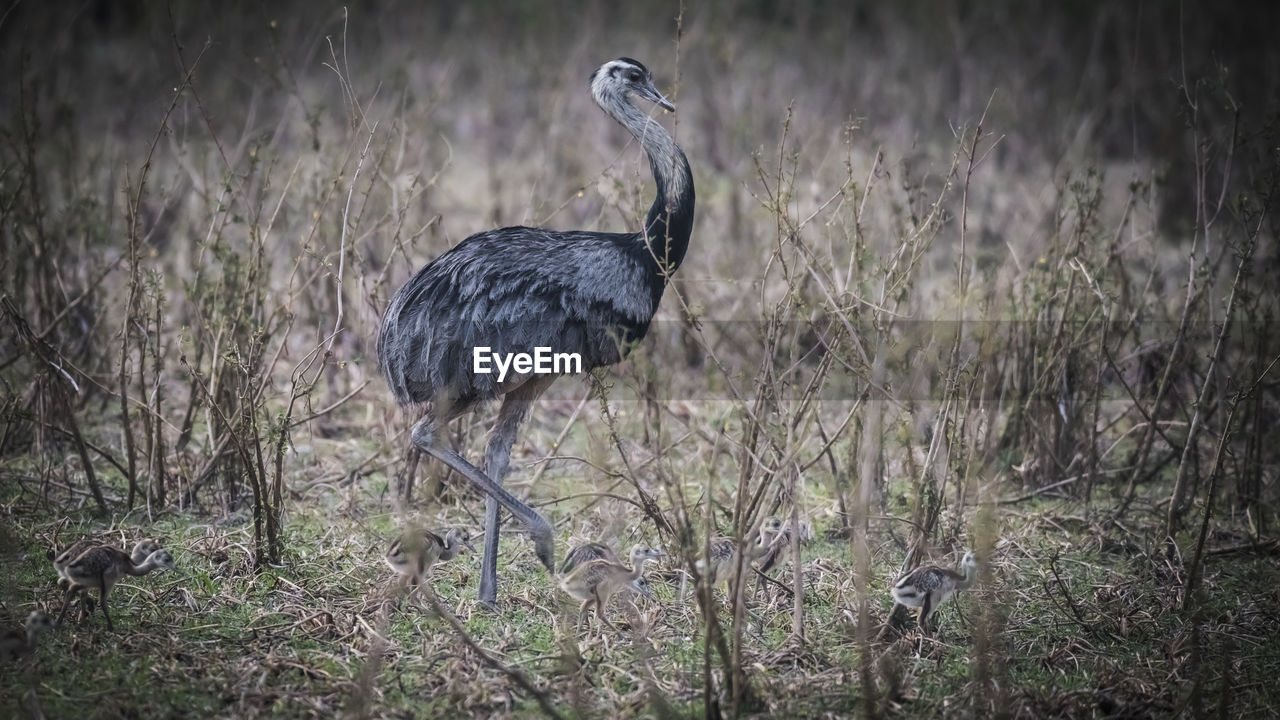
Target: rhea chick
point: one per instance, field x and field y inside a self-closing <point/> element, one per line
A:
<point x="724" y="552"/>
<point x="415" y="551"/>
<point x="16" y="644"/>
<point x="586" y="552"/>
<point x="141" y="551"/>
<point x="927" y="587"/>
<point x="596" y="581"/>
<point x="102" y="567"/>
<point x="772" y="553"/>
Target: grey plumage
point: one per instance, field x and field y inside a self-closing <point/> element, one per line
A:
<point x="927" y="587"/>
<point x="512" y="290"/>
<point x="781" y="542"/>
<point x="102" y="567"/>
<point x="415" y="551"/>
<point x="724" y="551"/>
<point x="517" y="289"/>
<point x="595" y="581"/>
<point x="585" y="553"/>
<point x="592" y="551"/>
<point x="141" y="550"/>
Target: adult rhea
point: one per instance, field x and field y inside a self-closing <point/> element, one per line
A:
<point x="518" y="288"/>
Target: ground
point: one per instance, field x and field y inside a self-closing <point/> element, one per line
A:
<point x="1087" y="622"/>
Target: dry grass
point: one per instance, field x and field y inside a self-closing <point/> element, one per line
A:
<point x="1084" y="631"/>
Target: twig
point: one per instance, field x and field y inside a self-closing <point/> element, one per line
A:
<point x="1066" y="594"/>
<point x="1177" y="500"/>
<point x="1193" y="572"/>
<point x="564" y="432"/>
<point x="517" y="676"/>
<point x="326" y="410"/>
<point x="1046" y="488"/>
<point x="1270" y="547"/>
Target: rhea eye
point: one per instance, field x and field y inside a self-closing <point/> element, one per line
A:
<point x="634" y="76"/>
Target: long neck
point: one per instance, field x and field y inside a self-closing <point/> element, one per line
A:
<point x="970" y="574"/>
<point x="141" y="569"/>
<point x="451" y="548"/>
<point x="637" y="568"/>
<point x="670" y="220"/>
<point x="142" y="551"/>
<point x="762" y="543"/>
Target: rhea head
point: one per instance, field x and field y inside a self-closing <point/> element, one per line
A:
<point x="616" y="78"/>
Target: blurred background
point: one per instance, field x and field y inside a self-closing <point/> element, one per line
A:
<point x="480" y="117"/>
<point x="501" y="91"/>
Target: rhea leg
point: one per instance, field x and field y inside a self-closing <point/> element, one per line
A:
<point x="103" y="589"/>
<point x="86" y="607"/>
<point x="424" y="436"/>
<point x="539" y="529"/>
<point x="600" y="604"/>
<point x="72" y="591"/>
<point x="489" y="562"/>
<point x="925" y="609"/>
<point x="404" y="483"/>
<point x="86" y="603"/>
<point x="497" y="456"/>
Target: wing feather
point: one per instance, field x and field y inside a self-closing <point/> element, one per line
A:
<point x="513" y="290"/>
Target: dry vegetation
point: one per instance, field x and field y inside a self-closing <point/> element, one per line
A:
<point x="998" y="278"/>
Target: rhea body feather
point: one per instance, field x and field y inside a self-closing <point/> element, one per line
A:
<point x="585" y="553"/>
<point x="138" y="555"/>
<point x="927" y="587"/>
<point x="141" y="550"/>
<point x="724" y="551"/>
<point x="416" y="551"/>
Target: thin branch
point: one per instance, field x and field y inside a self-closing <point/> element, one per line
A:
<point x="517" y="676"/>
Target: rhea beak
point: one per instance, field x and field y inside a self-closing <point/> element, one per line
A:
<point x="650" y="93"/>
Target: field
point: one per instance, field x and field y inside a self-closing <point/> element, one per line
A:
<point x="991" y="278"/>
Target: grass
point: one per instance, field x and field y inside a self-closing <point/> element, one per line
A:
<point x="219" y="639"/>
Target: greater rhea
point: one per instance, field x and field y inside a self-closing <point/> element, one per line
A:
<point x="768" y="557"/>
<point x="415" y="551"/>
<point x="102" y="567"/>
<point x="586" y="552"/>
<point x="517" y="289"/>
<point x="929" y="586"/>
<point x="141" y="550"/>
<point x="16" y="644"/>
<point x="596" y="581"/>
<point x="724" y="551"/>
